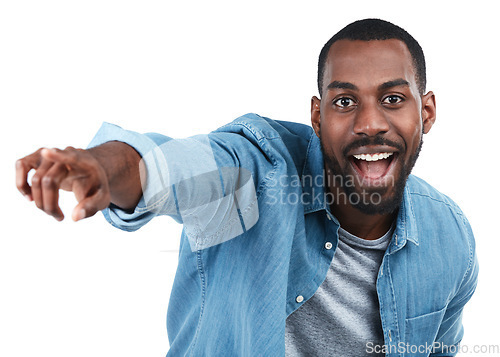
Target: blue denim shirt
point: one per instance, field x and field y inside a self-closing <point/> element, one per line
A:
<point x="257" y="234"/>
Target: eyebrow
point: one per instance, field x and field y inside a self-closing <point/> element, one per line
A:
<point x="394" y="83"/>
<point x="385" y="85"/>
<point x="341" y="85"/>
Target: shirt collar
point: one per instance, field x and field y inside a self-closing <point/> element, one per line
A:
<point x="406" y="225"/>
<point x="313" y="178"/>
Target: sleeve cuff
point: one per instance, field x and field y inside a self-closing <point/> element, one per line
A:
<point x="127" y="220"/>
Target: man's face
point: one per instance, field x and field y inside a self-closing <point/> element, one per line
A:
<point x="370" y="121"/>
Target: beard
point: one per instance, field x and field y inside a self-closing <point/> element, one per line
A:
<point x="386" y="205"/>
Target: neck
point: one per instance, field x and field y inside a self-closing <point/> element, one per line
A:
<point x="366" y="226"/>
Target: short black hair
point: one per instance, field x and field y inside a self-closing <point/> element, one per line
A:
<point x="376" y="29"/>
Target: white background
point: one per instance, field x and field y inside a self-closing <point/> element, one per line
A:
<point x="183" y="68"/>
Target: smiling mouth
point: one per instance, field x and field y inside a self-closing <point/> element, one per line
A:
<point x="373" y="166"/>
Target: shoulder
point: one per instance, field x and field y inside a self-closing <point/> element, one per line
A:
<point x="282" y="141"/>
<point x="264" y="128"/>
<point x="443" y="230"/>
<point x="422" y="192"/>
<point x="439" y="218"/>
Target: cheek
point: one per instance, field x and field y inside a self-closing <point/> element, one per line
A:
<point x="409" y="127"/>
<point x="412" y="136"/>
<point x="332" y="140"/>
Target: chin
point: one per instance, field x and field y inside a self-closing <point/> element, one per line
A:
<point x="380" y="201"/>
<point x="384" y="207"/>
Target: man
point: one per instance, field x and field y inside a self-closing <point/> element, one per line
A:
<point x="266" y="205"/>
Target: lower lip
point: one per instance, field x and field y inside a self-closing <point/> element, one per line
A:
<point x="378" y="181"/>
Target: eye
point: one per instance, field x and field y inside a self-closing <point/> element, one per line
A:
<point x="344" y="102"/>
<point x="392" y="99"/>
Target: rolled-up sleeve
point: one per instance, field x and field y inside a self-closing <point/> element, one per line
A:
<point x="146" y="145"/>
<point x="206" y="182"/>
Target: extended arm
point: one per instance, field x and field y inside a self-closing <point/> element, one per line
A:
<point x="209" y="183"/>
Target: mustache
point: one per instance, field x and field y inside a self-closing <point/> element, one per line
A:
<point x="372" y="140"/>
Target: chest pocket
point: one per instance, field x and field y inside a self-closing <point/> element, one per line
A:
<point x="421" y="332"/>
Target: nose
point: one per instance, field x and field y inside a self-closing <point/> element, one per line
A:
<point x="370" y="120"/>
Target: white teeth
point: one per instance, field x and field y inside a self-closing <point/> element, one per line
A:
<point x="374" y="157"/>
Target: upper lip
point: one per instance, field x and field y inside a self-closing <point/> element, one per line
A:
<point x="372" y="149"/>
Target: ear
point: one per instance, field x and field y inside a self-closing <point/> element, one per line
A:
<point x="428" y="111"/>
<point x="316" y="114"/>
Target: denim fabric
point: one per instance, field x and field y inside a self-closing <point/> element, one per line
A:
<point x="256" y="222"/>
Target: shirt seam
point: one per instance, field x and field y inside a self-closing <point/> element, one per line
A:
<point x="471" y="258"/>
<point x="306" y="161"/>
<point x="263" y="185"/>
<point x="250" y="128"/>
<point x="451" y="206"/>
<point x="262" y="144"/>
<point x="318" y="206"/>
<point x="393" y="306"/>
<point x="203" y="295"/>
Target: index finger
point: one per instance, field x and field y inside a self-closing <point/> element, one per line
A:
<point x="68" y="156"/>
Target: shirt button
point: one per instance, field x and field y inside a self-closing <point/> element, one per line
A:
<point x="299" y="299"/>
<point x="328" y="245"/>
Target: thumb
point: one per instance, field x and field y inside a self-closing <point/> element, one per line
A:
<point x="89" y="206"/>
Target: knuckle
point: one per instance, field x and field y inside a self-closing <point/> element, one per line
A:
<point x="21" y="187"/>
<point x="48" y="182"/>
<point x="34" y="158"/>
<point x="36" y="180"/>
<point x="71" y="152"/>
<point x="20" y="163"/>
<point x="34" y="154"/>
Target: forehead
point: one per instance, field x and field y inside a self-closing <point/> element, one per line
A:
<point x="369" y="63"/>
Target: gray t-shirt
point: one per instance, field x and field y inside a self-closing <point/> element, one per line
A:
<point x="343" y="315"/>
